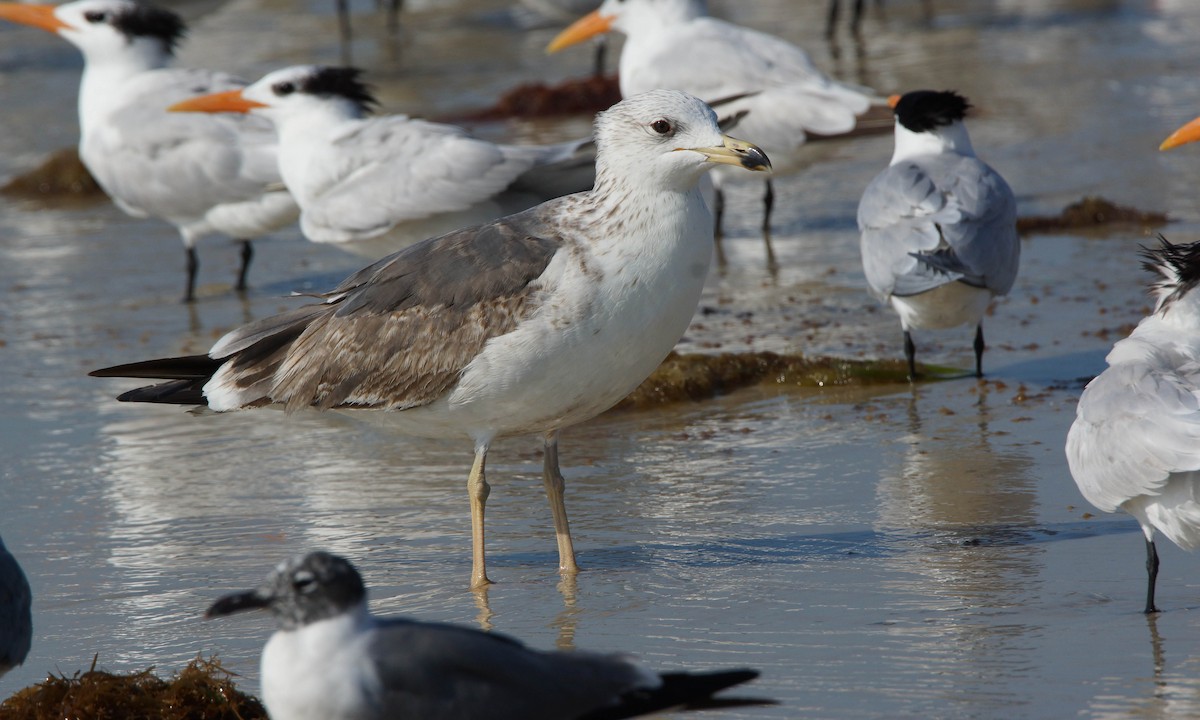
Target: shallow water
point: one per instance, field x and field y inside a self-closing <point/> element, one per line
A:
<point x="879" y="552"/>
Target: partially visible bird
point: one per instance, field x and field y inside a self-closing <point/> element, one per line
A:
<point x="356" y="176"/>
<point x="1135" y="442"/>
<point x="528" y="324"/>
<point x="762" y="85"/>
<point x="16" y="619"/>
<point x="939" y="233"/>
<point x="202" y="174"/>
<point x="331" y="659"/>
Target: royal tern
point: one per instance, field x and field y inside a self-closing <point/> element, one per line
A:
<point x="528" y="324"/>
<point x="331" y="659"/>
<point x="1135" y="442"/>
<point x="355" y="176"/>
<point x="16" y="621"/>
<point x="203" y="174"/>
<point x="772" y="85"/>
<point x="939" y="226"/>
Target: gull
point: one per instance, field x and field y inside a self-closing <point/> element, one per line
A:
<point x="202" y="174"/>
<point x="769" y="87"/>
<point x="355" y="176"/>
<point x="331" y="659"/>
<point x="16" y="623"/>
<point x="528" y="324"/>
<point x="939" y="233"/>
<point x="1135" y="442"/>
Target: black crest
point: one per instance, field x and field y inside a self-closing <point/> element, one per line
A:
<point x="925" y="110"/>
<point x="340" y="82"/>
<point x="138" y="20"/>
<point x="1177" y="268"/>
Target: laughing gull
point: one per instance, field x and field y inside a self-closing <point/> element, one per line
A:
<point x="356" y="175"/>
<point x="939" y="226"/>
<point x="769" y="87"/>
<point x="1135" y="442"/>
<point x="529" y="324"/>
<point x="203" y="174"/>
<point x="331" y="659"/>
<point x="16" y="620"/>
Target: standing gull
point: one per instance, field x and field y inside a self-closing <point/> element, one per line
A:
<point x="356" y="176"/>
<point x="1135" y="442"/>
<point x="769" y="86"/>
<point x="202" y="174"/>
<point x="939" y="226"/>
<point x="16" y="620"/>
<point x="331" y="659"/>
<point x="529" y="324"/>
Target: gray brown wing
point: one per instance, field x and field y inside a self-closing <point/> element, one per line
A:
<point x="398" y="333"/>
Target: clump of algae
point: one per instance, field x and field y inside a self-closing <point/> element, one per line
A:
<point x="1090" y="212"/>
<point x="62" y="175"/>
<point x="699" y="376"/>
<point x="201" y="691"/>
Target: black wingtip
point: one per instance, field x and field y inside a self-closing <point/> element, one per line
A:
<point x="186" y="377"/>
<point x="683" y="691"/>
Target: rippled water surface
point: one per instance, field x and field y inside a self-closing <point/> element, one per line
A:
<point x="883" y="552"/>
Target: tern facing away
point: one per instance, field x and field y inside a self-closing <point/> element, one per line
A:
<point x="1135" y="442"/>
<point x="528" y="324"/>
<point x="331" y="659"/>
<point x="939" y="226"/>
<point x="769" y="87"/>
<point x="16" y="618"/>
<point x="203" y="174"/>
<point x="355" y="176"/>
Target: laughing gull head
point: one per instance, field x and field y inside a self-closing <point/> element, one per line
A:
<point x="331" y="659"/>
<point x="16" y="622"/>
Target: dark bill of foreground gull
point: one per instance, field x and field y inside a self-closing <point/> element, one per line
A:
<point x="204" y="175"/>
<point x="16" y="617"/>
<point x="331" y="659"/>
<point x="939" y="226"/>
<point x="528" y="324"/>
<point x="1135" y="442"/>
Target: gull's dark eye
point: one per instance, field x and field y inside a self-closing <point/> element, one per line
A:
<point x="662" y="127"/>
<point x="284" y="88"/>
<point x="95" y="16"/>
<point x="304" y="583"/>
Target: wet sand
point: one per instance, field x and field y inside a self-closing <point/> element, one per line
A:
<point x="879" y="552"/>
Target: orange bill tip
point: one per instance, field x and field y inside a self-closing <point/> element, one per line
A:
<point x="585" y="27"/>
<point x="1184" y="135"/>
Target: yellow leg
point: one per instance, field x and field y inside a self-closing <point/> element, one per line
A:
<point x="553" y="479"/>
<point x="478" y="490"/>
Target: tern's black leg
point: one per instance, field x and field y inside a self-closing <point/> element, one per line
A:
<point x="831" y="17"/>
<point x="193" y="265"/>
<point x="393" y="15"/>
<point x="601" y="57"/>
<point x="343" y="15"/>
<point x="718" y="210"/>
<point x="1151" y="575"/>
<point x="768" y="205"/>
<point x="247" y="256"/>
<point x="910" y="354"/>
<point x="979" y="346"/>
<point x="856" y="19"/>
